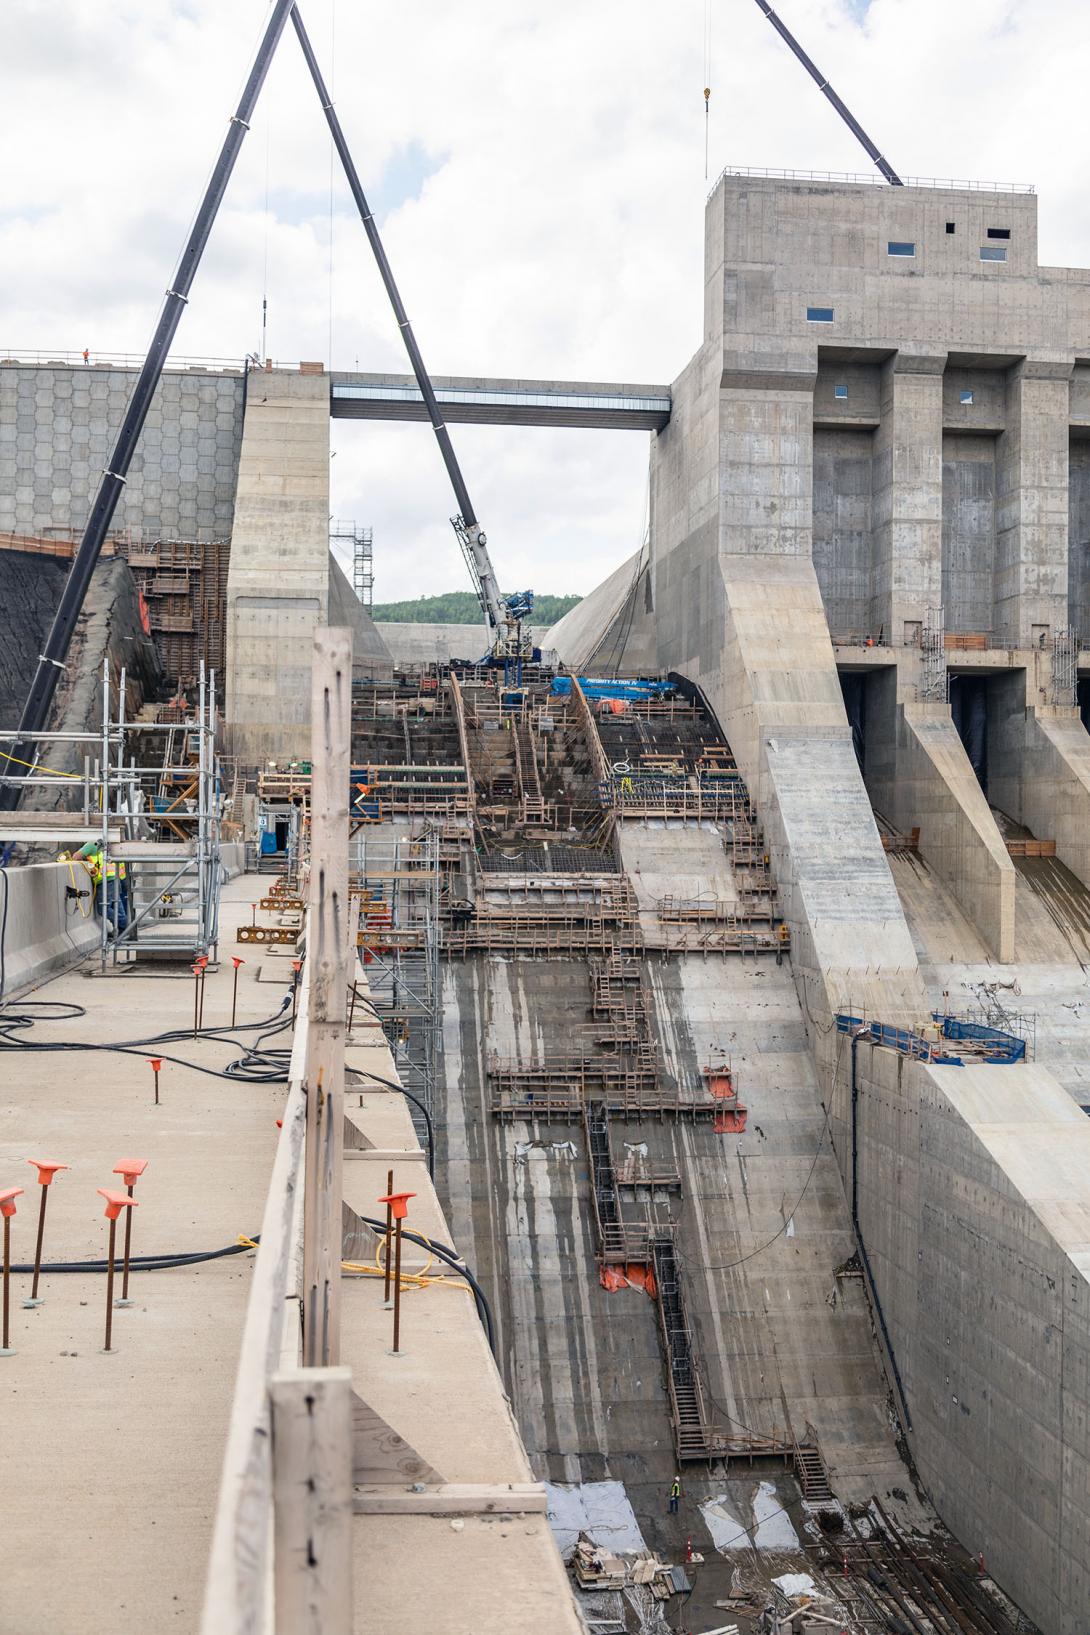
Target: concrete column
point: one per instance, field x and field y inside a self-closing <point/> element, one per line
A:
<point x="1032" y="504"/>
<point x="907" y="494"/>
<point x="766" y="457"/>
<point x="278" y="581"/>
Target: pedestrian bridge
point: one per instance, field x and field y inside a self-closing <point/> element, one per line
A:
<point x="492" y="402"/>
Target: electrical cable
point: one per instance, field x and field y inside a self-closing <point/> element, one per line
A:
<point x="729" y="1265"/>
<point x="452" y="1259"/>
<point x="144" y="1263"/>
<point x="257" y="1065"/>
<point x="392" y="1084"/>
<point x="4" y="929"/>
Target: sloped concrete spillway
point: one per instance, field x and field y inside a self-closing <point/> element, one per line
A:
<point x="790" y="1395"/>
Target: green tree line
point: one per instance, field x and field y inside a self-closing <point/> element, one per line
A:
<point x="462" y="607"/>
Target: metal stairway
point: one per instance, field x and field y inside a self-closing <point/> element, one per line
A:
<point x="693" y="1436"/>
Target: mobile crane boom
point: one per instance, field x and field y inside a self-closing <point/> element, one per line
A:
<point x="504" y="615"/>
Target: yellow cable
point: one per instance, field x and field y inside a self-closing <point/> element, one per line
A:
<point x="413" y="1279"/>
<point x="79" y="900"/>
<point x="34" y="767"/>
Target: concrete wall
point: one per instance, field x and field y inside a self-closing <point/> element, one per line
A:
<point x="968" y="530"/>
<point x="43" y="930"/>
<point x="278" y="583"/>
<point x="57" y="429"/>
<point x="973" y="1207"/>
<point x="1039" y="768"/>
<point x="843" y="548"/>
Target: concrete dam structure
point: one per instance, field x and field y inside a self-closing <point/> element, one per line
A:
<point x="734" y="966"/>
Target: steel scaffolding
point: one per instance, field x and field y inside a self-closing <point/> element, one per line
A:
<point x="157" y="824"/>
<point x="933" y="675"/>
<point x="361" y="541"/>
<point x="397" y="883"/>
<point x="1065" y="667"/>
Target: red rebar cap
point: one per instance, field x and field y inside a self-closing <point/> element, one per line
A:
<point x="130" y="1169"/>
<point x="7" y="1200"/>
<point x="156" y="1062"/>
<point x="236" y="962"/>
<point x="399" y="1203"/>
<point x="46" y="1171"/>
<point x="297" y="965"/>
<point x="115" y="1202"/>
<point x="202" y="960"/>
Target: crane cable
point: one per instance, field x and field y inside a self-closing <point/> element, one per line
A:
<point x="707" y="77"/>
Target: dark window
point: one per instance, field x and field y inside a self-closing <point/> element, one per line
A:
<point x="900" y="247"/>
<point x="993" y="252"/>
<point x="999" y="232"/>
<point x="820" y="315"/>
<point x="951" y="227"/>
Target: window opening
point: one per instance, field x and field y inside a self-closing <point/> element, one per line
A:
<point x="993" y="252"/>
<point x="821" y="315"/>
<point x="966" y="397"/>
<point x="999" y="232"/>
<point x="898" y="246"/>
<point x="840" y="392"/>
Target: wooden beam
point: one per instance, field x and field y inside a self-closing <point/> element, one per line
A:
<point x="312" y="1500"/>
<point x="327" y="948"/>
<point x="453" y="1499"/>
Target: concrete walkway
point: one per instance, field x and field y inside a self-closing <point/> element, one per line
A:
<point x="111" y="1463"/>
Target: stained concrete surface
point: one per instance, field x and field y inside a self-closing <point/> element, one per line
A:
<point x="782" y="1343"/>
<point x="112" y="1462"/>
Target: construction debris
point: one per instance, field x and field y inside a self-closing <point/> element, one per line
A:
<point x="596" y="1568"/>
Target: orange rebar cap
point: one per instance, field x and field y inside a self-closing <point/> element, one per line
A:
<point x="116" y="1202"/>
<point x="399" y="1203"/>
<point x="130" y="1169"/>
<point x="46" y="1171"/>
<point x="236" y="962"/>
<point x="156" y="1062"/>
<point x="7" y="1199"/>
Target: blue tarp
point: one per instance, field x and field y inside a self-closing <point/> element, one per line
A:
<point x="604" y="687"/>
<point x="1003" y="1048"/>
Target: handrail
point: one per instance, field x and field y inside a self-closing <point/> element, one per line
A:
<point x="236" y="1595"/>
<point x="871" y="180"/>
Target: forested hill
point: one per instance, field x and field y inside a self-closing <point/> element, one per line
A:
<point x="462" y="607"/>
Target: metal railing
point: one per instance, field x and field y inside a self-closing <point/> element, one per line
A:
<point x="954" y="184"/>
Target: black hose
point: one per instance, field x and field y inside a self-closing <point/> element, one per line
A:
<point x="392" y="1084"/>
<point x="455" y="1262"/>
<point x="255" y="1066"/>
<point x="142" y="1263"/>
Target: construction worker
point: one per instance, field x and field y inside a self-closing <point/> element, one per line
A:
<point x="675" y="1495"/>
<point x="86" y="355"/>
<point x="109" y="885"/>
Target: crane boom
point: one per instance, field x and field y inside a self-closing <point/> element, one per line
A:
<point x="51" y="661"/>
<point x="823" y="85"/>
<point x="504" y="616"/>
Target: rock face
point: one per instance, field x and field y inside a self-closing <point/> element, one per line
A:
<point x="109" y="627"/>
<point x="30" y="587"/>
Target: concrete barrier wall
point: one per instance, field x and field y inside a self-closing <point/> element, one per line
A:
<point x="935" y="789"/>
<point x="973" y="1210"/>
<point x="1056" y="784"/>
<point x="41" y="929"/>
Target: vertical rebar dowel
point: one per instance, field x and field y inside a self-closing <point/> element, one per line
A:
<point x="389" y="1221"/>
<point x="37" y="1249"/>
<point x="352" y="1006"/>
<point x="397" y="1289"/>
<point x="234" y="996"/>
<point x="196" y="994"/>
<point x="7" y="1282"/>
<point x="128" y="1241"/>
<point x="110" y="1285"/>
<point x="200" y="1008"/>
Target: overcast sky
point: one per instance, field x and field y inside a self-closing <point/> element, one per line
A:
<point x="537" y="167"/>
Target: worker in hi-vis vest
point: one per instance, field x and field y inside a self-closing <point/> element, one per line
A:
<point x="109" y="885"/>
<point x="675" y="1495"/>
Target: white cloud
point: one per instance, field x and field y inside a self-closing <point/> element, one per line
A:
<point x="558" y="227"/>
